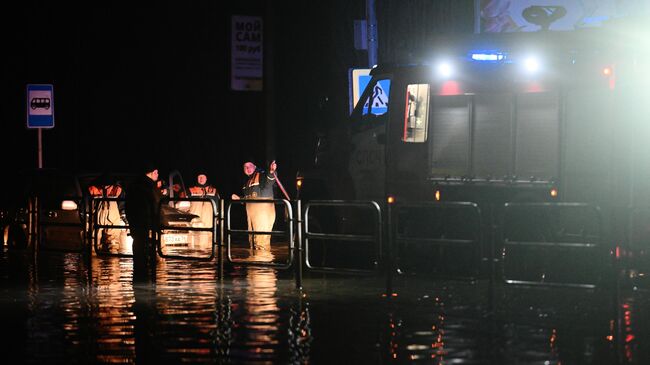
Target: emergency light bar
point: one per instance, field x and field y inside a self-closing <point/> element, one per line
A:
<point x="489" y="57"/>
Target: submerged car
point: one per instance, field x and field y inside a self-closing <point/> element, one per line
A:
<point x="45" y="209"/>
<point x="62" y="210"/>
<point x="108" y="224"/>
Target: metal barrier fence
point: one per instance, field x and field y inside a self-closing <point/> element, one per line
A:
<point x="444" y="238"/>
<point x="536" y="239"/>
<point x="553" y="244"/>
<point x="375" y="238"/>
<point x="258" y="259"/>
<point x="635" y="253"/>
<point x="103" y="227"/>
<point x="167" y="232"/>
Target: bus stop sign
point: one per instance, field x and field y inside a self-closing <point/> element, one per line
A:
<point x="40" y="106"/>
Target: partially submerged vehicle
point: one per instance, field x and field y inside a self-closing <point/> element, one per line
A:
<point x="62" y="210"/>
<point x="46" y="209"/>
<point x="108" y="228"/>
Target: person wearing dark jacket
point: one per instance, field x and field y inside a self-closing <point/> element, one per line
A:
<point x="142" y="204"/>
<point x="261" y="216"/>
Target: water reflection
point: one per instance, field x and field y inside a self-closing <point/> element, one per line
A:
<point x="257" y="332"/>
<point x="300" y="336"/>
<point x="188" y="303"/>
<point x="634" y="329"/>
<point x="59" y="308"/>
<point x="446" y="326"/>
<point x="112" y="298"/>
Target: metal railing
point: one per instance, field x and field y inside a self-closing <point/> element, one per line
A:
<point x="430" y="228"/>
<point x="375" y="237"/>
<point x="536" y="237"/>
<point x="634" y="255"/>
<point x="211" y="229"/>
<point x="255" y="260"/>
<point x="524" y="236"/>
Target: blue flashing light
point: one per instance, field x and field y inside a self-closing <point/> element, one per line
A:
<point x="488" y="57"/>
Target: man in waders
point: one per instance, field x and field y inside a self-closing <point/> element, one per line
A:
<point x="261" y="216"/>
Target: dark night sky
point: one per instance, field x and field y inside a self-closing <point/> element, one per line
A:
<point x="137" y="82"/>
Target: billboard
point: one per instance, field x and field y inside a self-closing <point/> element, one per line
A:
<point x="556" y="15"/>
<point x="246" y="56"/>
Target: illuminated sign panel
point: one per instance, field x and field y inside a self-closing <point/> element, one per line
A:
<point x="534" y="15"/>
<point x="40" y="106"/>
<point x="246" y="62"/>
<point x="359" y="79"/>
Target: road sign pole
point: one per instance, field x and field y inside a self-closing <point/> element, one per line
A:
<point x="40" y="148"/>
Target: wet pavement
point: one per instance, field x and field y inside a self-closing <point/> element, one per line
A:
<point x="61" y="308"/>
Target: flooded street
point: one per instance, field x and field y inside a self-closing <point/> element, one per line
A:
<point x="372" y="182"/>
<point x="58" y="308"/>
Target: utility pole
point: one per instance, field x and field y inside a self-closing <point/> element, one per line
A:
<point x="371" y="19"/>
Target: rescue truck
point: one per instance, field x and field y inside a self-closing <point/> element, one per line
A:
<point x="535" y="116"/>
<point x="499" y="119"/>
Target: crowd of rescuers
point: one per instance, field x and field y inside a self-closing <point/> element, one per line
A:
<point x="142" y="203"/>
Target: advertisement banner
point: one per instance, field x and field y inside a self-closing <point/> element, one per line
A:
<point x="556" y="15"/>
<point x="246" y="61"/>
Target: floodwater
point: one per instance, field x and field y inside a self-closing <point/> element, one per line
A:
<point x="62" y="308"/>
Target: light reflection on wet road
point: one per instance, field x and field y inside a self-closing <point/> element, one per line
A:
<point x="57" y="308"/>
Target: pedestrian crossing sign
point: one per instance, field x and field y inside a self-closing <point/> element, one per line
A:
<point x="359" y="80"/>
<point x="379" y="98"/>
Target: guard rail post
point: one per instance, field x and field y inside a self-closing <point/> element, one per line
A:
<point x="389" y="250"/>
<point x="220" y="239"/>
<point x="298" y="245"/>
<point x="493" y="232"/>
